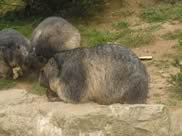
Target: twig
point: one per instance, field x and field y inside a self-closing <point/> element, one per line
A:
<point x="146" y="58"/>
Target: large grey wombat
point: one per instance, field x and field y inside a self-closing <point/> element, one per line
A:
<point x="52" y="35"/>
<point x="104" y="74"/>
<point x="14" y="49"/>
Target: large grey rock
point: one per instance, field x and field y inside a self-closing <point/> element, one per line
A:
<point x="24" y="114"/>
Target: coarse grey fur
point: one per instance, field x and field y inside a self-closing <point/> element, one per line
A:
<point x="104" y="74"/>
<point x="52" y="35"/>
<point x="4" y="69"/>
<point x="14" y="49"/>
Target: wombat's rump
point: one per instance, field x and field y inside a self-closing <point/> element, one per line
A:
<point x="104" y="74"/>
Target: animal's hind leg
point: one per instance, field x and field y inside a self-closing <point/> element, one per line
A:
<point x="52" y="96"/>
<point x="138" y="91"/>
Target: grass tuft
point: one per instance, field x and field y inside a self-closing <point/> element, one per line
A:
<point x="163" y="12"/>
<point x="120" y="25"/>
<point x="172" y="35"/>
<point x="126" y="37"/>
<point x="92" y="37"/>
<point x="176" y="80"/>
<point x="37" y="89"/>
<point x="137" y="38"/>
<point x="7" y="84"/>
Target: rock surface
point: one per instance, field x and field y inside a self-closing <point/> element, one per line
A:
<point x="24" y="114"/>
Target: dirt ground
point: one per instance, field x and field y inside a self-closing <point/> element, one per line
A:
<point x="160" y="68"/>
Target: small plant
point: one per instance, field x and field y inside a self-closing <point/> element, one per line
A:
<point x="172" y="35"/>
<point x="120" y="25"/>
<point x="176" y="81"/>
<point x="162" y="13"/>
<point x="126" y="37"/>
<point x="7" y="84"/>
<point x="134" y="38"/>
<point x="180" y="42"/>
<point x="177" y="78"/>
<point x="94" y="37"/>
<point x="153" y="15"/>
<point x="176" y="62"/>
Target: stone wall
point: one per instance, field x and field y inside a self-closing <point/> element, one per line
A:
<point x="23" y="114"/>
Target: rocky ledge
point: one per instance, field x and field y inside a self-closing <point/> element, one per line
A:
<point x="24" y="114"/>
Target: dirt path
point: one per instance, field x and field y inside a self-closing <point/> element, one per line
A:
<point x="160" y="68"/>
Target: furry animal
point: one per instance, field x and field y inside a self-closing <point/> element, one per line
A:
<point x="104" y="74"/>
<point x="52" y="35"/>
<point x="4" y="69"/>
<point x="14" y="49"/>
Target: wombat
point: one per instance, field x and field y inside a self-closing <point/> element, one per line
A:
<point x="104" y="74"/>
<point x="4" y="69"/>
<point x="14" y="49"/>
<point x="53" y="35"/>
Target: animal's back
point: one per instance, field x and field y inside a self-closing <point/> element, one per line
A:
<point x="116" y="75"/>
<point x="55" y="34"/>
<point x="112" y="74"/>
<point x="10" y="37"/>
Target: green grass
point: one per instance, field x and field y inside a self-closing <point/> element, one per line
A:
<point x="10" y="19"/>
<point x="120" y="24"/>
<point x="153" y="28"/>
<point x="135" y="38"/>
<point x="172" y="35"/>
<point x="123" y="12"/>
<point x="7" y="84"/>
<point x="126" y="37"/>
<point x="92" y="37"/>
<point x="176" y="80"/>
<point x="25" y="26"/>
<point x="161" y="13"/>
<point x="34" y="86"/>
<point x="37" y="89"/>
